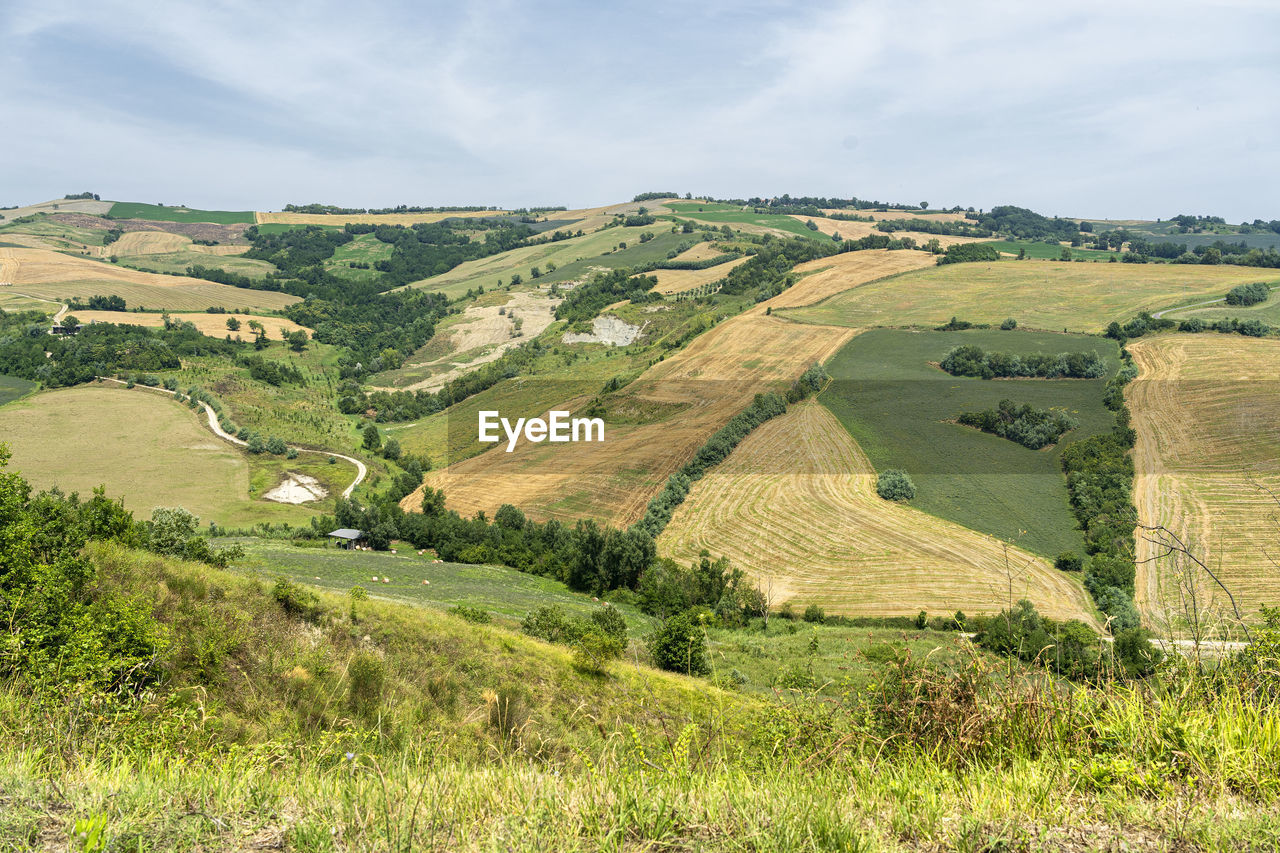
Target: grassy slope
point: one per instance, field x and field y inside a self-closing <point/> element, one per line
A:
<point x="162" y="213"/>
<point x="177" y="262"/>
<point x="1038" y="294"/>
<point x="895" y="404"/>
<point x="1044" y="251"/>
<point x="720" y="214"/>
<point x="152" y="452"/>
<point x="634" y="759"/>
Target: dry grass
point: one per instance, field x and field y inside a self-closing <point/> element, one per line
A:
<point x="214" y="325"/>
<point x="1206" y="408"/>
<point x="1048" y="295"/>
<point x="826" y="277"/>
<point x="795" y="507"/>
<point x="52" y="275"/>
<point x="264" y="218"/>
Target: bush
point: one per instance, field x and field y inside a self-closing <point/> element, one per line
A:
<point x="679" y="645"/>
<point x="471" y="614"/>
<point x="1068" y="561"/>
<point x="366" y="675"/>
<point x="814" y="613"/>
<point x="276" y="446"/>
<point x="895" y="485"/>
<point x="1248" y="294"/>
<point x="1009" y="324"/>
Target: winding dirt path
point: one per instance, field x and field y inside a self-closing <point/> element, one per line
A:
<point x="361" y="469"/>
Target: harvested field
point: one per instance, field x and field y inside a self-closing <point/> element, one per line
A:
<point x="1205" y="408"/>
<point x="1046" y="295"/>
<point x="699" y="388"/>
<point x="52" y="275"/>
<point x="88" y="206"/>
<point x="879" y="215"/>
<point x="679" y="281"/>
<point x="828" y="276"/>
<point x="214" y="325"/>
<point x="162" y="242"/>
<point x="795" y="507"/>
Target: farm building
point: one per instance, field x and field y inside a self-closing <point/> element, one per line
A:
<point x="346" y="537"/>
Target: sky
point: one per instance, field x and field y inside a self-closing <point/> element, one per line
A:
<point x="1089" y="109"/>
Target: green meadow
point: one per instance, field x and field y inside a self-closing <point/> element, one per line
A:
<point x="165" y="213"/>
<point x="898" y="405"/>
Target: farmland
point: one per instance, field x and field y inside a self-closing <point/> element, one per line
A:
<point x="51" y="275"/>
<point x="795" y="506"/>
<point x="214" y="325"/>
<point x="337" y="220"/>
<point x="1205" y="409"/>
<point x="898" y="407"/>
<point x="826" y="277"/>
<point x="1268" y="312"/>
<point x="1038" y="294"/>
<point x="12" y="388"/>
<point x="146" y="449"/>
<point x="1043" y="251"/>
<point x="169" y="213"/>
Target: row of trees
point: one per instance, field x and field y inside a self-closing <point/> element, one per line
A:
<point x="972" y="360"/>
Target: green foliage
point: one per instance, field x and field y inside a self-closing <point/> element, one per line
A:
<point x="1009" y="325"/>
<point x="895" y="485"/>
<point x="366" y="679"/>
<point x="372" y="438"/>
<point x="679" y="645"/>
<point x="1031" y="427"/>
<point x="961" y="253"/>
<point x="1068" y="561"/>
<point x="475" y="615"/>
<point x="1027" y="224"/>
<point x="971" y="360"/>
<point x="298" y="603"/>
<point x="586" y="300"/>
<point x="1248" y="294"/>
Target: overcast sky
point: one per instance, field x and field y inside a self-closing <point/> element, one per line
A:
<point x="1106" y="109"/>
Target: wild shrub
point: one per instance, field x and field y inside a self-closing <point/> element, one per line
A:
<point x="295" y="601"/>
<point x="471" y="614"/>
<point x="366" y="677"/>
<point x="895" y="485"/>
<point x="679" y="645"/>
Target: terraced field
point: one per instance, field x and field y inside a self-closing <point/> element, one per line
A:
<point x="1038" y="294"/>
<point x="695" y="391"/>
<point x="795" y="507"/>
<point x="1206" y="408"/>
<point x="52" y="275"/>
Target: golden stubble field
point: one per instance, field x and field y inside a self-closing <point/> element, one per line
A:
<point x="1206" y="409"/>
<point x="710" y="380"/>
<point x="52" y="275"/>
<point x="795" y="507"/>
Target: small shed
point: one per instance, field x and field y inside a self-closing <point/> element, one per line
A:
<point x="346" y="537"/>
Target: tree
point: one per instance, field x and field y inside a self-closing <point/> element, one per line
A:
<point x="679" y="645"/>
<point x="276" y="446"/>
<point x="895" y="485"/>
<point x="233" y="324"/>
<point x="432" y="502"/>
<point x="297" y="340"/>
<point x="372" y="440"/>
<point x="391" y="449"/>
<point x="170" y="529"/>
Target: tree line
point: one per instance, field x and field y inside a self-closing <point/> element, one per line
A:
<point x="972" y="360"/>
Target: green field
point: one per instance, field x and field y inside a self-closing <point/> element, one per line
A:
<point x="12" y="388"/>
<point x="573" y="257"/>
<point x="896" y="405"/>
<point x="1268" y="312"/>
<point x="1043" y="251"/>
<point x="57" y="234"/>
<point x="151" y="451"/>
<point x="365" y="248"/>
<point x="281" y="227"/>
<point x="165" y="213"/>
<point x="733" y="216"/>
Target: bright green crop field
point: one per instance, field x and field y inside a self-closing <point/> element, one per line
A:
<point x="164" y="213"/>
<point x="898" y="405"/>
